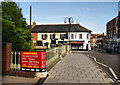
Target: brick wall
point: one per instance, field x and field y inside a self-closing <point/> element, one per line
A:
<point x="34" y="35"/>
<point x="6" y="49"/>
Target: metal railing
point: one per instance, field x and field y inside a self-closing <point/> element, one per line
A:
<point x="55" y="53"/>
<point x="51" y="55"/>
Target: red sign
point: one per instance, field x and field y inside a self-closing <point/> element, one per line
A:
<point x="33" y="60"/>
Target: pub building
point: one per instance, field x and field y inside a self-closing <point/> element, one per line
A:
<point x="58" y="33"/>
<point x="80" y="40"/>
<point x="118" y="38"/>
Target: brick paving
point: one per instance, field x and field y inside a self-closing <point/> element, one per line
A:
<point x="77" y="68"/>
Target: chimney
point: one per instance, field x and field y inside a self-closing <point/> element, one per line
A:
<point x="34" y="24"/>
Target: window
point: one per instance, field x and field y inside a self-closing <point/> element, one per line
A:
<point x="111" y="33"/>
<point x="44" y="36"/>
<point x="39" y="43"/>
<point x="66" y="35"/>
<point x="72" y="36"/>
<point x="87" y="36"/>
<point x="114" y="32"/>
<point x="52" y="36"/>
<point x="62" y="36"/>
<point x="80" y="36"/>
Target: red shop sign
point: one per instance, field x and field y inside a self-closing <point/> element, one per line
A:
<point x="33" y="61"/>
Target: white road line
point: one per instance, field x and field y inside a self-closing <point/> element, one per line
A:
<point x="113" y="73"/>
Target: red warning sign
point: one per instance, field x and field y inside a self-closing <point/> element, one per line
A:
<point x="33" y="60"/>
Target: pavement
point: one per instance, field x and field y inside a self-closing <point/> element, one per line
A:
<point x="107" y="59"/>
<point x="77" y="68"/>
<point x="15" y="80"/>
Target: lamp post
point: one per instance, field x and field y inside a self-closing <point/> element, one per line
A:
<point x="70" y="20"/>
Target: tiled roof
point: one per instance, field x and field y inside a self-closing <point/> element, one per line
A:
<point x="94" y="35"/>
<point x="59" y="28"/>
<point x="98" y="35"/>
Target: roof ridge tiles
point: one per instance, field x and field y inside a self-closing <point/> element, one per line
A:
<point x="59" y="28"/>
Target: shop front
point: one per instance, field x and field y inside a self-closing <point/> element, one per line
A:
<point x="77" y="45"/>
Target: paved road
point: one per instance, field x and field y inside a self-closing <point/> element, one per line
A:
<point x="77" y="68"/>
<point x="107" y="59"/>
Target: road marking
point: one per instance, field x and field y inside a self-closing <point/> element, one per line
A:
<point x="113" y="73"/>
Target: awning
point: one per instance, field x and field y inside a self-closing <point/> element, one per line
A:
<point x="76" y="42"/>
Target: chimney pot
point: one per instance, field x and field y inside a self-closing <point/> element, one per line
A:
<point x="34" y="23"/>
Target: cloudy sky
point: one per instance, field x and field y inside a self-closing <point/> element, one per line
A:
<point x="92" y="15"/>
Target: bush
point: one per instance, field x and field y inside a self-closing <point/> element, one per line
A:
<point x="53" y="45"/>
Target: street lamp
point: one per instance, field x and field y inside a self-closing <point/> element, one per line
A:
<point x="70" y="20"/>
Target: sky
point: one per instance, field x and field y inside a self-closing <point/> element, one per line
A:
<point x="92" y="15"/>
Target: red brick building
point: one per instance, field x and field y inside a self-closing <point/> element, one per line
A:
<point x="118" y="37"/>
<point x="97" y="40"/>
<point x="112" y="33"/>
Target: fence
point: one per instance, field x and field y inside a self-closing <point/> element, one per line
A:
<point x="51" y="55"/>
<point x="55" y="53"/>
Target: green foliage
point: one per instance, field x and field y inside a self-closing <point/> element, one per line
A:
<point x="53" y="45"/>
<point x="46" y="44"/>
<point x="13" y="27"/>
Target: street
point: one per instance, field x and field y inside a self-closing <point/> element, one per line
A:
<point x="77" y="68"/>
<point x="107" y="59"/>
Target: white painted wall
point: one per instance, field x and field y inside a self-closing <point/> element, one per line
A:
<point x="84" y="38"/>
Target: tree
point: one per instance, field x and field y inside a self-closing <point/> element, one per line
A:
<point x="14" y="28"/>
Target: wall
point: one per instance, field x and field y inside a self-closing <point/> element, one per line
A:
<point x="6" y="50"/>
<point x="57" y="36"/>
<point x="84" y="38"/>
<point x="6" y="61"/>
<point x="112" y="28"/>
<point x="34" y="35"/>
<point x="34" y="39"/>
<point x="94" y="41"/>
